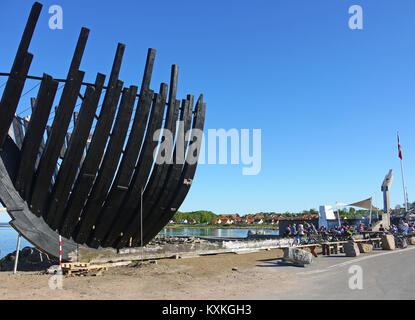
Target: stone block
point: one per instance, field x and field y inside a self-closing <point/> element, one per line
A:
<point x="388" y="242"/>
<point x="365" y="247"/>
<point x="297" y="256"/>
<point x="351" y="249"/>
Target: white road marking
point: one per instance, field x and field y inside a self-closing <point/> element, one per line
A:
<point x="356" y="260"/>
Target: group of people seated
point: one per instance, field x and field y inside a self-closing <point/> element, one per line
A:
<point x="300" y="230"/>
<point x="404" y="228"/>
<point x="307" y="229"/>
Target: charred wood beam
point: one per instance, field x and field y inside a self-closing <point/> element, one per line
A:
<point x="33" y="138"/>
<point x="15" y="83"/>
<point x="109" y="166"/>
<point x="176" y="199"/>
<point x="96" y="148"/>
<point x="59" y="129"/>
<point x="109" y="223"/>
<point x="73" y="156"/>
<point x="159" y="171"/>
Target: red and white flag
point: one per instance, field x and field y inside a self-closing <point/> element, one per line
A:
<point x="399" y="148"/>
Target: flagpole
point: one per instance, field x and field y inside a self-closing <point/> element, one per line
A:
<point x="404" y="188"/>
<point x="403" y="175"/>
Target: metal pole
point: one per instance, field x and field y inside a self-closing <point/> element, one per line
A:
<point x="370" y="214"/>
<point x="403" y="175"/>
<point x="338" y="216"/>
<point x="16" y="259"/>
<point x="404" y="188"/>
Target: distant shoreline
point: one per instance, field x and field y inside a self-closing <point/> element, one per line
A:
<point x="198" y="226"/>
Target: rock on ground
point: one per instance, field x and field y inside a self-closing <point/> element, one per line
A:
<point x="351" y="249"/>
<point x="297" y="256"/>
<point x="30" y="259"/>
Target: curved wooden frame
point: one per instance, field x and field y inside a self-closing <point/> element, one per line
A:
<point x="86" y="184"/>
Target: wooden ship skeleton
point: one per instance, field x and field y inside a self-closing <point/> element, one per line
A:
<point x="98" y="185"/>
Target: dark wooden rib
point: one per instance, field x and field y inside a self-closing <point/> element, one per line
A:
<point x="15" y="83"/>
<point x="54" y="144"/>
<point x="128" y="210"/>
<point x="109" y="166"/>
<point x="125" y="171"/>
<point x="55" y="172"/>
<point x="96" y="148"/>
<point x="42" y="143"/>
<point x="171" y="180"/>
<point x="173" y="176"/>
<point x="132" y="150"/>
<point x="71" y="161"/>
<point x="171" y="119"/>
<point x="186" y="180"/>
<point x="18" y="132"/>
<point x="153" y="189"/>
<point x="90" y="166"/>
<point x="33" y="139"/>
<point x="112" y="218"/>
<point x="59" y="129"/>
<point x="148" y="70"/>
<point x="159" y="171"/>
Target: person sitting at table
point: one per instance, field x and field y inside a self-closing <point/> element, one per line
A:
<point x="287" y="232"/>
<point x="393" y="229"/>
<point x="293" y="230"/>
<point x="381" y="228"/>
<point x="404" y="227"/>
<point x="313" y="228"/>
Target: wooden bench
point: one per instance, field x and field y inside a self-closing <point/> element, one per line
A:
<point x="368" y="234"/>
<point x="376" y="242"/>
<point x="336" y="247"/>
<point x="329" y="248"/>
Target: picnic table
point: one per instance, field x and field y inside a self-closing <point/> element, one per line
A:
<point x="376" y="242"/>
<point x="375" y="234"/>
<point x="332" y="247"/>
<point x="335" y="247"/>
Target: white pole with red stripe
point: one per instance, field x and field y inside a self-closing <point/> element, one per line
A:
<point x="60" y="253"/>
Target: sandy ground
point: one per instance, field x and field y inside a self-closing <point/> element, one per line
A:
<point x="207" y="277"/>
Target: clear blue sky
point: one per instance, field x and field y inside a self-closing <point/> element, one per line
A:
<point x="328" y="99"/>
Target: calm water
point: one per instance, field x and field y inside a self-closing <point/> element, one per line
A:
<point x="212" y="232"/>
<point x="8" y="240"/>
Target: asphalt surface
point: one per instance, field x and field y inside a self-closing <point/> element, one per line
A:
<point x="384" y="275"/>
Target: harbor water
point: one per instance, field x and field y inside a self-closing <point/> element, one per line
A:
<point x="215" y="232"/>
<point x="8" y="240"/>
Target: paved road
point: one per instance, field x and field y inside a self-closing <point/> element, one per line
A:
<point x="385" y="275"/>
